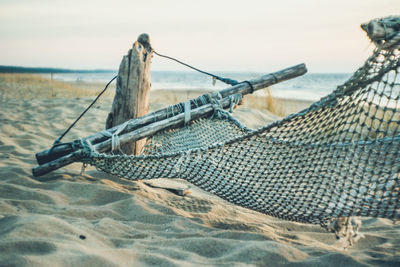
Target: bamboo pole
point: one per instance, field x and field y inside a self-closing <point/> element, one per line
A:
<point x="143" y="127"/>
<point x="243" y="88"/>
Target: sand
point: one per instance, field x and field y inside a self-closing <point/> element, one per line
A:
<point x="68" y="219"/>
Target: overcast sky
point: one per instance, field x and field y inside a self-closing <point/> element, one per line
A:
<point x="226" y="35"/>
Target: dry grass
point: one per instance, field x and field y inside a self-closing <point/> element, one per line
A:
<point x="34" y="86"/>
<point x="277" y="106"/>
<point x="268" y="102"/>
<point x="29" y="86"/>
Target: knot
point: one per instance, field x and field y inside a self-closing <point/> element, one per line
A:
<point x="216" y="102"/>
<point x="57" y="141"/>
<point x="115" y="142"/>
<point x="178" y="166"/>
<point x="78" y="144"/>
<point x="144" y="40"/>
<point x="187" y="109"/>
<point x="226" y="80"/>
<point x="251" y="86"/>
<point x="234" y="100"/>
<point x="87" y="151"/>
<point x="216" y="98"/>
<point x="392" y="43"/>
<point x="384" y="32"/>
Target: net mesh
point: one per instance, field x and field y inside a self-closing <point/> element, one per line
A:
<point x="337" y="158"/>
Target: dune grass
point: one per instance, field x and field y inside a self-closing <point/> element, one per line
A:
<point x="29" y="86"/>
<point x="267" y="102"/>
<point x="35" y="86"/>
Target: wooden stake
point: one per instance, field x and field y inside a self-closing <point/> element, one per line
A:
<point x="132" y="91"/>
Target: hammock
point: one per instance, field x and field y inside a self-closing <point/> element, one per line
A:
<point x="338" y="158"/>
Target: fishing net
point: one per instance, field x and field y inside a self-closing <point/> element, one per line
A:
<point x="338" y="158"/>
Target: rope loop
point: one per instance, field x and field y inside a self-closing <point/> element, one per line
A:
<point x="234" y="100"/>
<point x="251" y="86"/>
<point x="115" y="142"/>
<point x="187" y="112"/>
<point x="182" y="159"/>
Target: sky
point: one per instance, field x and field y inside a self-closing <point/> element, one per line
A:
<point x="227" y="35"/>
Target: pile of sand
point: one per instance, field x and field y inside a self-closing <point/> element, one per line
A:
<point x="97" y="220"/>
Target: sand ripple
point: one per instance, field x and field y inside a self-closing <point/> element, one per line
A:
<point x="64" y="219"/>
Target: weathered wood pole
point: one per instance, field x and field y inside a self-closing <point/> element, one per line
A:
<point x="132" y="90"/>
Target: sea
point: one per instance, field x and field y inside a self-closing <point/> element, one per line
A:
<point x="311" y="86"/>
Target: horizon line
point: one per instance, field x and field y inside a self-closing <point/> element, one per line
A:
<point x="25" y="69"/>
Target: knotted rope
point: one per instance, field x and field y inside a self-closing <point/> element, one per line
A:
<point x="115" y="142"/>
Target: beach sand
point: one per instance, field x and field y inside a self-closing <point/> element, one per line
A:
<point x="68" y="219"/>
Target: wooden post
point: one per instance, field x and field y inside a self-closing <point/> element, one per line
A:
<point x="132" y="90"/>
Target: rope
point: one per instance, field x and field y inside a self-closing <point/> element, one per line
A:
<point x="235" y="100"/>
<point x="393" y="42"/>
<point x="224" y="80"/>
<point x="251" y="86"/>
<point x="187" y="112"/>
<point x="115" y="142"/>
<point x="58" y="140"/>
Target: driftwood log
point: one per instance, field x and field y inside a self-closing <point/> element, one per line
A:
<point x="132" y="90"/>
<point x="139" y="128"/>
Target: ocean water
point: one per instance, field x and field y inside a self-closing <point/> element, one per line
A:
<point x="311" y="86"/>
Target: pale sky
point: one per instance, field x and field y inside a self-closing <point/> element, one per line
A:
<point x="227" y="35"/>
